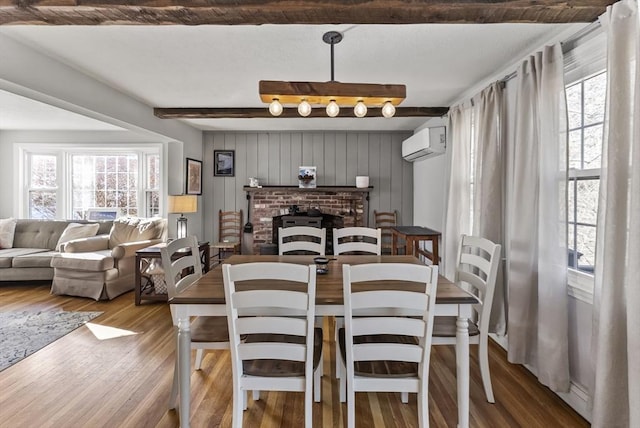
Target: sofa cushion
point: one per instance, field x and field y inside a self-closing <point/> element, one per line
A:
<point x="7" y="230"/>
<point x="77" y="231"/>
<point x="132" y="229"/>
<point x="95" y="261"/>
<point x="7" y="255"/>
<point x="33" y="260"/>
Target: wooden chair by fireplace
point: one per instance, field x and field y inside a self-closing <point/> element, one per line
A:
<point x="229" y="235"/>
<point x="385" y="221"/>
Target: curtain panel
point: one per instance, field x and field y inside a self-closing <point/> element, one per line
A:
<point x="537" y="245"/>
<point x="458" y="211"/>
<point x="615" y="392"/>
<point x="488" y="184"/>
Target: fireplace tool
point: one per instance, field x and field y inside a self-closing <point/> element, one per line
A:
<point x="248" y="227"/>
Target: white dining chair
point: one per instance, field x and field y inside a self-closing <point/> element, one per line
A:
<point x="302" y="238"/>
<point x="282" y="349"/>
<point x="182" y="267"/>
<point x="386" y="342"/>
<point x="357" y="240"/>
<point x="476" y="272"/>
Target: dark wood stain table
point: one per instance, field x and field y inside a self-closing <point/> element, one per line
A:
<point x="206" y="297"/>
<point x="412" y="235"/>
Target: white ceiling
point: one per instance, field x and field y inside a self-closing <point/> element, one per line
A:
<point x="220" y="66"/>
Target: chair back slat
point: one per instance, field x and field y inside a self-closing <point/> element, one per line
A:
<point x="272" y="351"/>
<point x="275" y="325"/>
<point x="388" y="352"/>
<point x="270" y="299"/>
<point x="388" y="325"/>
<point x="230" y="226"/>
<point x="398" y="299"/>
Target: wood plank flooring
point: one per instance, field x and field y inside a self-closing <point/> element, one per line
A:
<point x="124" y="379"/>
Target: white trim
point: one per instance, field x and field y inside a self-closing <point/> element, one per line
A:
<point x="577" y="397"/>
<point x="580" y="285"/>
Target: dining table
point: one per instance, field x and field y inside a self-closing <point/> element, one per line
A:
<point x="205" y="297"/>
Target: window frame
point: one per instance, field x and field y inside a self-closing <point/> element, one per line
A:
<point x="64" y="153"/>
<point x="581" y="283"/>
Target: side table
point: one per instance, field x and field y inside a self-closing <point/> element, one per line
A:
<point x="412" y="236"/>
<point x="144" y="287"/>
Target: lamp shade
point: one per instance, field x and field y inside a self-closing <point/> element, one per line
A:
<point x="183" y="204"/>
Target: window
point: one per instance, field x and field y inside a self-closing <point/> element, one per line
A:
<point x="77" y="182"/>
<point x="586" y="104"/>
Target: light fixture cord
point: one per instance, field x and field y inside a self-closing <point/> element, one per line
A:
<point x="332" y="73"/>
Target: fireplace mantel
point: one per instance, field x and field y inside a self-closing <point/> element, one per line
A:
<point x="322" y="189"/>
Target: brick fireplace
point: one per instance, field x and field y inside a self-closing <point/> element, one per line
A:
<point x="349" y="203"/>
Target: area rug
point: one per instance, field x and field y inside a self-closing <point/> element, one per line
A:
<point x="23" y="333"/>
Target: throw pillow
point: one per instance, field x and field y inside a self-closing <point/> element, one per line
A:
<point x="132" y="229"/>
<point x="7" y="230"/>
<point x="77" y="231"/>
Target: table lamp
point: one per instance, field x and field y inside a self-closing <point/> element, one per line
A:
<point x="180" y="204"/>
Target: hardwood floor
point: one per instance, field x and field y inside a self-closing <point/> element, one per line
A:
<point x="124" y="380"/>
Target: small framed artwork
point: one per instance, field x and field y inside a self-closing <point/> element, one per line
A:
<point x="194" y="177"/>
<point x="224" y="163"/>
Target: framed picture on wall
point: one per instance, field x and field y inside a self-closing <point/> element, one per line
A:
<point x="194" y="177"/>
<point x="224" y="163"/>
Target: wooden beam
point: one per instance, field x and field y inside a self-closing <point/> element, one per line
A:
<point x="257" y="12"/>
<point x="323" y="92"/>
<point x="288" y="113"/>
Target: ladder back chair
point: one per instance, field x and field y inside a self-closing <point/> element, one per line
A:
<point x="476" y="272"/>
<point x="357" y="240"/>
<point x="386" y="342"/>
<point x="302" y="239"/>
<point x="281" y="347"/>
<point x="385" y="221"/>
<point x="182" y="267"/>
<point x="229" y="235"/>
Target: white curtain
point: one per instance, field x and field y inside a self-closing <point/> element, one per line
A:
<point x="458" y="212"/>
<point x="487" y="189"/>
<point x="616" y="336"/>
<point x="537" y="249"/>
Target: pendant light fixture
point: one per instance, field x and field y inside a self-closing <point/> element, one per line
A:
<point x="334" y="95"/>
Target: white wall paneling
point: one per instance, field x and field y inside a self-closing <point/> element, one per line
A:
<point x="274" y="157"/>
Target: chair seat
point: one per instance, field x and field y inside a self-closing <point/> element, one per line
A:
<point x="380" y="368"/>
<point x="225" y="245"/>
<point x="282" y="368"/>
<point x="210" y="329"/>
<point x="446" y="327"/>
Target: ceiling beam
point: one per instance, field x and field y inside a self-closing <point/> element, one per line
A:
<point x="257" y="12"/>
<point x="288" y="113"/>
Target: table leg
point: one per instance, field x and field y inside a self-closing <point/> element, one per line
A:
<point x="408" y="247"/>
<point x="462" y="370"/>
<point x="138" y="281"/>
<point x="184" y="368"/>
<point x="394" y="244"/>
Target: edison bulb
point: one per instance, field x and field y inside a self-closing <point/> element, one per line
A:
<point x="304" y="108"/>
<point x="275" y="108"/>
<point x="360" y="110"/>
<point x="388" y="110"/>
<point x="333" y="109"/>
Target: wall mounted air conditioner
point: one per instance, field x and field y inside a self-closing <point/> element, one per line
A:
<point x="426" y="143"/>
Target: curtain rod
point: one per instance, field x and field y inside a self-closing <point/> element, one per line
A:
<point x="567" y="45"/>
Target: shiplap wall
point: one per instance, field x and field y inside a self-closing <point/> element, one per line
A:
<point x="274" y="157"/>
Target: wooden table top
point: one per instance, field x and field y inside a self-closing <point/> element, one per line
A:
<point x="415" y="231"/>
<point x="210" y="288"/>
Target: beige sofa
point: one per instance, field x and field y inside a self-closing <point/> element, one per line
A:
<point x="34" y="245"/>
<point x="103" y="267"/>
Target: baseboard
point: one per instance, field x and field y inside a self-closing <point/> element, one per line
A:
<point x="577" y="397"/>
